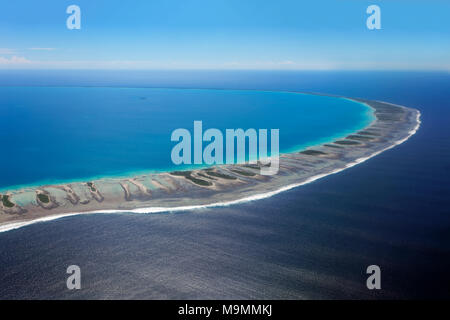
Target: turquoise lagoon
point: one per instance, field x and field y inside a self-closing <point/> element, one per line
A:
<point x="63" y="134"/>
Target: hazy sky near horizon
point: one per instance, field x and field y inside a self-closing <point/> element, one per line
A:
<point x="225" y="34"/>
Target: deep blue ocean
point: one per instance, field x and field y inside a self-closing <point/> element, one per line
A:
<point x="315" y="241"/>
<point x="63" y="134"/>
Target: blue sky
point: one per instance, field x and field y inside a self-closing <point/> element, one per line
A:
<point x="225" y="34"/>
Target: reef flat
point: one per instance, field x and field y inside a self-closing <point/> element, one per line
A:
<point x="221" y="184"/>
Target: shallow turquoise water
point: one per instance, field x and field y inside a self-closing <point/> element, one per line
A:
<point x="61" y="134"/>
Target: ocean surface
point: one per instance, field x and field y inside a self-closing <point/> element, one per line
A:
<point x="64" y="134"/>
<point x="314" y="241"/>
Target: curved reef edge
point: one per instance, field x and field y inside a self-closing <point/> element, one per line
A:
<point x="217" y="186"/>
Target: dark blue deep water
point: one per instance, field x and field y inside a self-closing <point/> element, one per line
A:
<point x="311" y="242"/>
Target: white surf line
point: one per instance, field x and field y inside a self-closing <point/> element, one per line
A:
<point x="20" y="224"/>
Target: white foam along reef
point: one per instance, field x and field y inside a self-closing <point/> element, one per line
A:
<point x="20" y="224"/>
